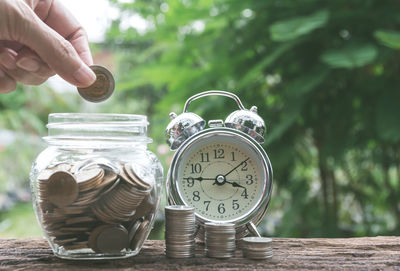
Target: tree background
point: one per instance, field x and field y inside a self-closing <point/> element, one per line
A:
<point x="323" y="74"/>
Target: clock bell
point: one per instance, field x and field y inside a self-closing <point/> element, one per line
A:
<point x="187" y="124"/>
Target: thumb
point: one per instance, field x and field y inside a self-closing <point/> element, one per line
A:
<point x="58" y="53"/>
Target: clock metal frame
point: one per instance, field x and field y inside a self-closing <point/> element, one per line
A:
<point x="245" y="223"/>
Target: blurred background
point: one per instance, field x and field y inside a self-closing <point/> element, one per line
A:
<point x="325" y="76"/>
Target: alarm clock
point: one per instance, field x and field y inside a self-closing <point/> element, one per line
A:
<point x="222" y="171"/>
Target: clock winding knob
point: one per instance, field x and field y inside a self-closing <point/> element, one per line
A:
<point x="247" y="121"/>
<point x="182" y="127"/>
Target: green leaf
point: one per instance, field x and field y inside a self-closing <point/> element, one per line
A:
<point x="387" y="117"/>
<point x="257" y="70"/>
<point x="388" y="38"/>
<point x="288" y="119"/>
<point x="350" y="57"/>
<point x="308" y="82"/>
<point x="298" y="26"/>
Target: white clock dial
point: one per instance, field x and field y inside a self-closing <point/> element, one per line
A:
<point x="223" y="179"/>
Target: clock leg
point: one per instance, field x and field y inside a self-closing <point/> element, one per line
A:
<point x="253" y="229"/>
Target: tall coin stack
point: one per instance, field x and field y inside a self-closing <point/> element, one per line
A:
<point x="179" y="231"/>
<point x="257" y="248"/>
<point x="220" y="240"/>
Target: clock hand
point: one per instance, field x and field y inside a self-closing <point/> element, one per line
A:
<point x="235" y="184"/>
<point x="199" y="178"/>
<point x="236" y="167"/>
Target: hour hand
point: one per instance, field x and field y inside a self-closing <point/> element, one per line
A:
<point x="235" y="184"/>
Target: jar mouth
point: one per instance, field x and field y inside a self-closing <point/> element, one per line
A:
<point x="57" y="118"/>
<point x="89" y="128"/>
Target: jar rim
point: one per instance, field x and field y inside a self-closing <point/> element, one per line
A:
<point x="93" y="128"/>
<point x="95" y="117"/>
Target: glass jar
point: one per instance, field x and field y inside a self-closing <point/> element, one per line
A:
<point x="96" y="188"/>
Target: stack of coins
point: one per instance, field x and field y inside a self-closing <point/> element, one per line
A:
<point x="179" y="231"/>
<point x="102" y="88"/>
<point x="257" y="248"/>
<point x="220" y="240"/>
<point x="90" y="205"/>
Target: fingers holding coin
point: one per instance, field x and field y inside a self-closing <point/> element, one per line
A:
<point x="23" y="66"/>
<point x="26" y="67"/>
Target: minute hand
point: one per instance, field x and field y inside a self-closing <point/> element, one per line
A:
<point x="236" y="167"/>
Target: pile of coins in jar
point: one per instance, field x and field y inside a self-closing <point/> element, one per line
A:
<point x="220" y="238"/>
<point x="97" y="206"/>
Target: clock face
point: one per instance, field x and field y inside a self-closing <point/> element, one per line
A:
<point x="222" y="177"/>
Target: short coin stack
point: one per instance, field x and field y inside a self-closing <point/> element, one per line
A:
<point x="220" y="240"/>
<point x="179" y="231"/>
<point x="95" y="207"/>
<point x="257" y="248"/>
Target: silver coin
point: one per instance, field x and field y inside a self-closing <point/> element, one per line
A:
<point x="257" y="240"/>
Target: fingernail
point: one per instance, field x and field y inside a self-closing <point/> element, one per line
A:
<point x="28" y="64"/>
<point x="7" y="61"/>
<point x="85" y="75"/>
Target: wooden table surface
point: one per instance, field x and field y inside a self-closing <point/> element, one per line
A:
<point x="369" y="253"/>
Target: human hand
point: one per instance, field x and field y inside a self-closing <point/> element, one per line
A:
<point x="39" y="38"/>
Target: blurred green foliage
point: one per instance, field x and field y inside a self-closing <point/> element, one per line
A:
<point x="325" y="77"/>
<point x="13" y="223"/>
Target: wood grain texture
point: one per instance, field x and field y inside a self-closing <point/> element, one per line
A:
<point x="370" y="253"/>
